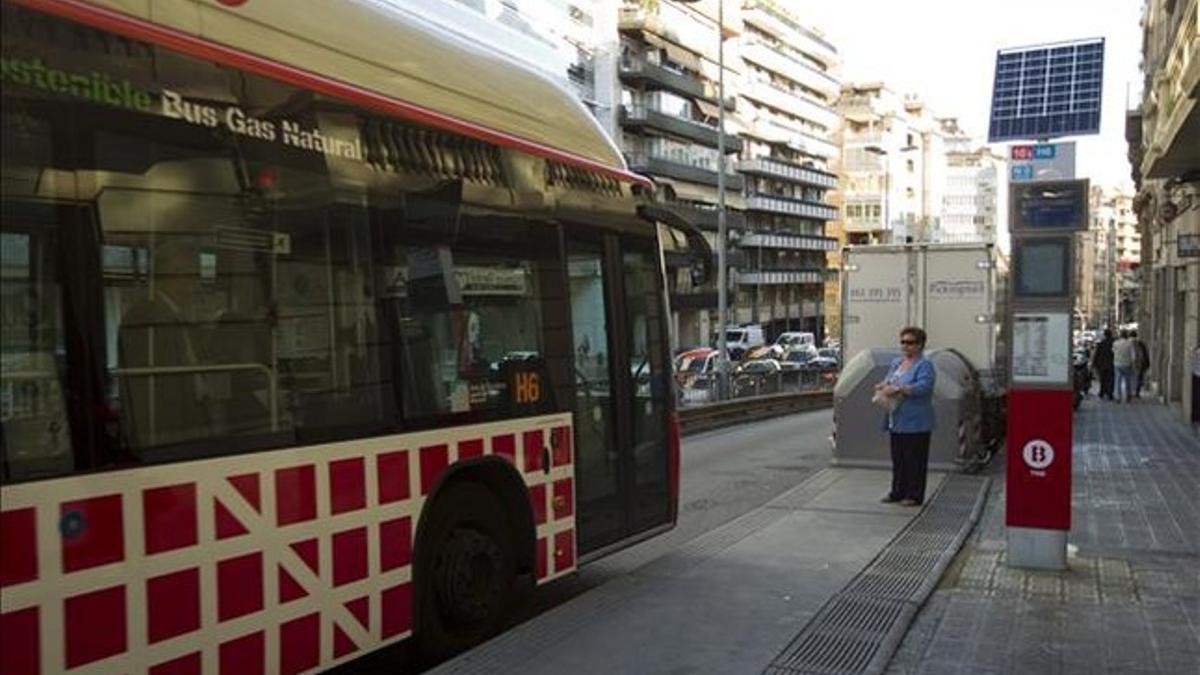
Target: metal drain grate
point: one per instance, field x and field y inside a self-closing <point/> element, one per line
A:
<point x="843" y="638"/>
<point x="859" y="628"/>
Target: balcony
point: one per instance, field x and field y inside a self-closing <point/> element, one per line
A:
<point x="1171" y="116"/>
<point x="661" y="166"/>
<point x="791" y="207"/>
<point x="794" y="103"/>
<point x="642" y="117"/>
<point x="772" y="58"/>
<point x="791" y="33"/>
<point x="788" y="242"/>
<point x="642" y="72"/>
<point x="781" y="277"/>
<point x="774" y="168"/>
<point x="863" y="225"/>
<point x="775" y="129"/>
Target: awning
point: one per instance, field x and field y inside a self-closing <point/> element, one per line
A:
<point x="709" y="109"/>
<point x="683" y="57"/>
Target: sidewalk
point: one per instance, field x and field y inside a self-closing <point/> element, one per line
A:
<point x="1130" y="600"/>
<point x="772" y="589"/>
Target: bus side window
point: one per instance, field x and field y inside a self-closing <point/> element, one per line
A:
<point x="35" y="437"/>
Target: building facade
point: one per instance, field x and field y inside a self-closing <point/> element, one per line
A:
<point x="787" y="105"/>
<point x="971" y="198"/>
<point x="1108" y="261"/>
<point x="893" y="166"/>
<point x="1164" y="149"/>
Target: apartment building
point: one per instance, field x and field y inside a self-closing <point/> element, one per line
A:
<point x="670" y="65"/>
<point x="893" y="165"/>
<point x="973" y="194"/>
<point x="1108" y="258"/>
<point x="786" y="103"/>
<point x="1164" y="148"/>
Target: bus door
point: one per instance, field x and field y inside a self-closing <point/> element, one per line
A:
<point x="620" y="408"/>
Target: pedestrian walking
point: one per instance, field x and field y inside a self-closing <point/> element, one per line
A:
<point x="907" y="394"/>
<point x="1102" y="364"/>
<point x="1143" y="363"/>
<point x="1124" y="360"/>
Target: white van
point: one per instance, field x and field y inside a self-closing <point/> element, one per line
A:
<point x="793" y="339"/>
<point x="741" y="339"/>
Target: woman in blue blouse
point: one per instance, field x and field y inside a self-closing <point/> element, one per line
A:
<point x="910" y="379"/>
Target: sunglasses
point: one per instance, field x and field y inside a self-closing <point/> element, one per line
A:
<point x="908" y="342"/>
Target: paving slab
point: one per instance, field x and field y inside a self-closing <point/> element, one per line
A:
<point x="725" y="603"/>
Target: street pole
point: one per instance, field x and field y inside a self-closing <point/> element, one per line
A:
<point x="722" y="300"/>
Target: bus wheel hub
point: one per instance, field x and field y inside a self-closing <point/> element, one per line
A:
<point x="467" y="575"/>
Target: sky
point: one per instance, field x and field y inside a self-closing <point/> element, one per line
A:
<point x="945" y="51"/>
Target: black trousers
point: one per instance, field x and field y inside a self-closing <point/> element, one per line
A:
<point x="1106" y="382"/>
<point x="910" y="463"/>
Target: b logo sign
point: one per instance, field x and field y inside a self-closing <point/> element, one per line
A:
<point x="1038" y="454"/>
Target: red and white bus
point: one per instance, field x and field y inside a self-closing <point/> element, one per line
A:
<point x="321" y="328"/>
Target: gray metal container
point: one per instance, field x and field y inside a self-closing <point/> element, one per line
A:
<point x="859" y="438"/>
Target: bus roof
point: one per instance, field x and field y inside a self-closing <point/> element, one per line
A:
<point x="387" y="53"/>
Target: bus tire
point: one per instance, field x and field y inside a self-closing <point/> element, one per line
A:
<point x="466" y="571"/>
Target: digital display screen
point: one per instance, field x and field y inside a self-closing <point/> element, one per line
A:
<point x="1050" y="205"/>
<point x="1042" y="267"/>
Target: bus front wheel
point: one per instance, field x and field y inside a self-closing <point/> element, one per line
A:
<point x="467" y="572"/>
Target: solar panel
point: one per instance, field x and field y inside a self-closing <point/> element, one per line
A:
<point x="1047" y="91"/>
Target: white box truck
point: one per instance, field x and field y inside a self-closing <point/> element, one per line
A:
<point x="957" y="293"/>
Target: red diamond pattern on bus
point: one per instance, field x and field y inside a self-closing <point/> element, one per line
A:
<point x="325" y="612"/>
<point x="505" y="445"/>
<point x="397" y="610"/>
<point x="300" y="644"/>
<point x="92" y="532"/>
<point x="342" y="644"/>
<point x="239" y="586"/>
<point x="534" y="449"/>
<point x="172" y="605"/>
<point x="18" y="547"/>
<point x="392" y="469"/>
<point x="347" y="485"/>
<point x="434" y="460"/>
<point x="564" y="551"/>
<point x="307" y="550"/>
<point x="349" y="556"/>
<point x="560" y="443"/>
<point x="244" y="656"/>
<point x="184" y="665"/>
<point x="289" y="588"/>
<point x="95" y="625"/>
<point x="395" y="543"/>
<point x="169" y="517"/>
<point x="470" y="449"/>
<point x="248" y="487"/>
<point x="226" y="524"/>
<point x="20" y="628"/>
<point x="564" y="499"/>
<point x="295" y="495"/>
<point x="537" y="501"/>
<point x="361" y="609"/>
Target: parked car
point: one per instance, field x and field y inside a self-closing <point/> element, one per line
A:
<point x="792" y="339"/>
<point x="739" y="340"/>
<point x="798" y="357"/>
<point x="760" y="376"/>
<point x="695" y="365"/>
<point x="830" y="353"/>
<point x="822" y="363"/>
